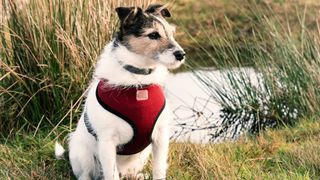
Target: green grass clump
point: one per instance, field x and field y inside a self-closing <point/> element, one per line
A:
<point x="31" y="157"/>
<point x="287" y="67"/>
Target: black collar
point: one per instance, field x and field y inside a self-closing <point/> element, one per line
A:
<point x="130" y="68"/>
<point x="136" y="70"/>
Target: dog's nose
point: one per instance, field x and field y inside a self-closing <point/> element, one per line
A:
<point x="179" y="55"/>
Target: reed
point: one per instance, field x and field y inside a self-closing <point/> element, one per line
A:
<point x="48" y="50"/>
<point x="286" y="85"/>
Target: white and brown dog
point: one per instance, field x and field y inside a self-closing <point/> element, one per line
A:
<point x="125" y="115"/>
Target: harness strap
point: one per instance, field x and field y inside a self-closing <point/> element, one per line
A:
<point x="89" y="126"/>
<point x="125" y="106"/>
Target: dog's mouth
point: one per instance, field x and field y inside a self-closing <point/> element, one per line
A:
<point x="173" y="65"/>
<point x="169" y="60"/>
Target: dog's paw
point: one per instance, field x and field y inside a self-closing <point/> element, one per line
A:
<point x="142" y="176"/>
<point x="139" y="176"/>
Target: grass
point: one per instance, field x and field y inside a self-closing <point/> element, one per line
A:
<point x="237" y="20"/>
<point x="31" y="157"/>
<point x="287" y="66"/>
<point x="47" y="54"/>
<point x="273" y="155"/>
<point x="287" y="153"/>
<point x="48" y="51"/>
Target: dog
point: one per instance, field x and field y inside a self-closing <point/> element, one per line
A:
<point x="125" y="116"/>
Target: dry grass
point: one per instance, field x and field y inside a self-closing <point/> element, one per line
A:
<point x="236" y="20"/>
<point x="239" y="18"/>
<point x="289" y="153"/>
<point x="48" y="51"/>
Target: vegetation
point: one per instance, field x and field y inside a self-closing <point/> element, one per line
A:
<point x="48" y="50"/>
<point x="289" y="153"/>
<point x="47" y="54"/>
<point x="286" y="85"/>
<point x="210" y="21"/>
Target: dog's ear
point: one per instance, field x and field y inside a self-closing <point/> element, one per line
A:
<point x="158" y="9"/>
<point x="128" y="14"/>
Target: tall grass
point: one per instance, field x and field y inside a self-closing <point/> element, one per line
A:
<point x="236" y="20"/>
<point x="47" y="51"/>
<point x="287" y="78"/>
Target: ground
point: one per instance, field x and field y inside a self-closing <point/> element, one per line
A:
<point x="286" y="153"/>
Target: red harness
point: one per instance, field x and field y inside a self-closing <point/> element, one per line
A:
<point x="140" y="107"/>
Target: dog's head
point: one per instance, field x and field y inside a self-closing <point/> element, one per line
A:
<point x="147" y="33"/>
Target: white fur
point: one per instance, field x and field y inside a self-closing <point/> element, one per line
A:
<point x="59" y="151"/>
<point x="167" y="58"/>
<point x="108" y="67"/>
<point x="113" y="131"/>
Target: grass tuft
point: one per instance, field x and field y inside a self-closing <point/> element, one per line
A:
<point x="286" y="85"/>
<point x="48" y="50"/>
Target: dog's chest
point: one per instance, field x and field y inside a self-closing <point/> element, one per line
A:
<point x="140" y="107"/>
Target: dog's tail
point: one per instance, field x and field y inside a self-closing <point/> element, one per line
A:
<point x="60" y="152"/>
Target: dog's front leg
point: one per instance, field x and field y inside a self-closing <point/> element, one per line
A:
<point x="107" y="156"/>
<point x="160" y="147"/>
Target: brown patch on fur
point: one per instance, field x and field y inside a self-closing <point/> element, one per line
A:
<point x="148" y="47"/>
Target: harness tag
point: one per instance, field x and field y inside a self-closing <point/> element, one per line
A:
<point x="142" y="95"/>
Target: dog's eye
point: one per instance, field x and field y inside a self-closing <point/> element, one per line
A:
<point x="154" y="35"/>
